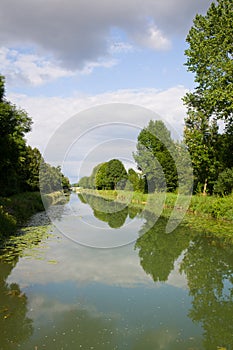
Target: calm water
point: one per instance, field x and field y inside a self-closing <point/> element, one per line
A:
<point x="148" y="290"/>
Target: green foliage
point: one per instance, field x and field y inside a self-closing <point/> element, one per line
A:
<point x="52" y="179"/>
<point x="14" y="124"/>
<point x="101" y="181"/>
<point x="116" y="174"/>
<point x="209" y="57"/>
<point x="204" y="146"/>
<point x="224" y="184"/>
<point x="108" y="175"/>
<point x="212" y="206"/>
<point x="84" y="182"/>
<point x="134" y="181"/>
<point x="155" y="157"/>
<point x="19" y="163"/>
<point x="16" y="210"/>
<point x="7" y="223"/>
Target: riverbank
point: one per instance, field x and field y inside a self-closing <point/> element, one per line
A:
<point x="17" y="209"/>
<point x="209" y="217"/>
<point x="214" y="207"/>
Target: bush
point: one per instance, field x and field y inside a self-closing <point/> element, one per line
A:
<point x="224" y="184"/>
<point x="7" y="223"/>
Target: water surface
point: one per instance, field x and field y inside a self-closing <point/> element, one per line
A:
<point x="154" y="291"/>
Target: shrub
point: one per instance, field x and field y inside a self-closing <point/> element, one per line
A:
<point x="224" y="184"/>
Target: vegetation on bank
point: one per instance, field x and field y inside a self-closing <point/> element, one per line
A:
<point x="204" y="206"/>
<point x="16" y="210"/>
<point x="22" y="168"/>
<point x="23" y="171"/>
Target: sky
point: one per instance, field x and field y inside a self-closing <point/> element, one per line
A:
<point x="115" y="59"/>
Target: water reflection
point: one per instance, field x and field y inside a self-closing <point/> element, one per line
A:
<point x="209" y="269"/>
<point x="114" y="213"/>
<point x="208" y="265"/>
<point x="158" y="251"/>
<point x="123" y="298"/>
<point x="15" y="326"/>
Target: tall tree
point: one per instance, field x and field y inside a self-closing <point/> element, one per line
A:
<point x="14" y="123"/>
<point x="210" y="58"/>
<point x="155" y="157"/>
<point x="204" y="146"/>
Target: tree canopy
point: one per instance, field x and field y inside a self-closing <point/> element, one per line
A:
<point x="108" y="175"/>
<point x="210" y="58"/>
<point x="20" y="164"/>
<point x="154" y="157"/>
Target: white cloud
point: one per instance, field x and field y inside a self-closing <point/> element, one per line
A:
<point x="49" y="113"/>
<point x="29" y="68"/>
<point x="35" y="70"/>
<point x="154" y="39"/>
<point x="76" y="32"/>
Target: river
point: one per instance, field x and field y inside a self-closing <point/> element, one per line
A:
<point x="113" y="279"/>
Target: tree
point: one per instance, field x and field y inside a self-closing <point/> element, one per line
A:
<point x="20" y="165"/>
<point x="116" y="174"/>
<point x="101" y="177"/>
<point x="52" y="179"/>
<point x="224" y="184"/>
<point x="210" y="58"/>
<point x="133" y="180"/>
<point x="32" y="163"/>
<point x="111" y="175"/>
<point x="84" y="182"/>
<point x="155" y="157"/>
<point x="14" y="124"/>
<point x="204" y="145"/>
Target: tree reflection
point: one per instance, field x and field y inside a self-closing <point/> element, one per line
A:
<point x="114" y="220"/>
<point x="74" y="329"/>
<point x="111" y="212"/>
<point x="158" y="250"/>
<point x="209" y="269"/>
<point x="15" y="326"/>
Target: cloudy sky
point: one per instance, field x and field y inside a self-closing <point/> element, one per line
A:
<point x="62" y="57"/>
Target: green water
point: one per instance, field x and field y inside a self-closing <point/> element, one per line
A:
<point x="107" y="280"/>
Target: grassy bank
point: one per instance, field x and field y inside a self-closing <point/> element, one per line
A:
<point x="16" y="210"/>
<point x="205" y="206"/>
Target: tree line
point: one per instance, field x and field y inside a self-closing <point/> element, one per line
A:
<point x="22" y="168"/>
<point x="208" y="132"/>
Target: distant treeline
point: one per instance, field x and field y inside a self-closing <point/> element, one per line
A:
<point x="163" y="164"/>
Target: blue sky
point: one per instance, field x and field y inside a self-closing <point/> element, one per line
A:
<point x="62" y="57"/>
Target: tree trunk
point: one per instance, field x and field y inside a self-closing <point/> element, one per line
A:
<point x="205" y="187"/>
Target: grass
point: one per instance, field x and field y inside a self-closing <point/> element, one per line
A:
<point x="16" y="210"/>
<point x="215" y="207"/>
